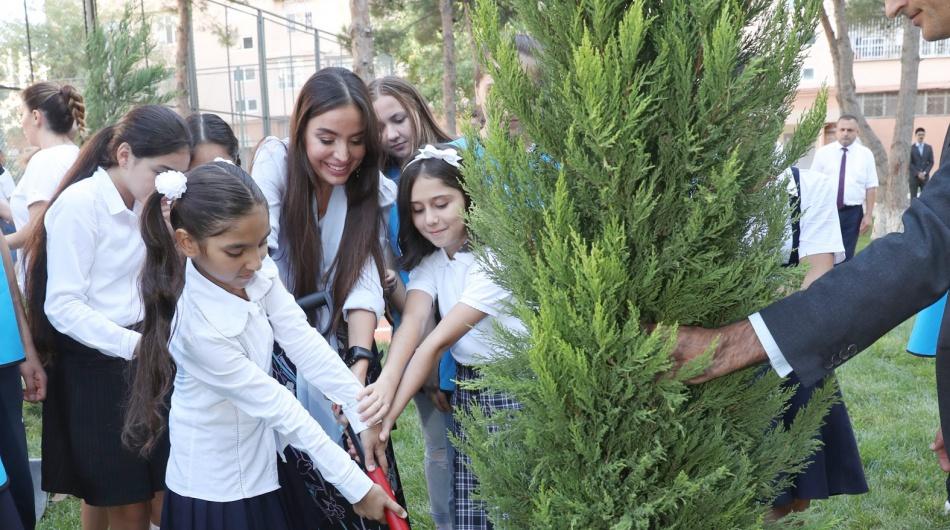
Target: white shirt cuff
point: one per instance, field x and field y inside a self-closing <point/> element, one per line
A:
<point x="354" y="418"/>
<point x="776" y="359"/>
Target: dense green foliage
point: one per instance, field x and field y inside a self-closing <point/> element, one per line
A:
<point x="645" y="199"/>
<point x="116" y="77"/>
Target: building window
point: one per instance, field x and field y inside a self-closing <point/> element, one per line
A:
<point x="308" y="19"/>
<point x="884" y="104"/>
<point x="245" y="74"/>
<point x="167" y="30"/>
<point x="242" y="105"/>
<point x="808" y="74"/>
<point x="248" y="43"/>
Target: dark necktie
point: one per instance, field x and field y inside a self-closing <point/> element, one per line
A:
<point x="844" y="163"/>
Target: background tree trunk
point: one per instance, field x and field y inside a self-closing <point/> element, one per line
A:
<point x="183" y="59"/>
<point x="89" y="15"/>
<point x="448" y="63"/>
<point x="361" y="37"/>
<point x="893" y="194"/>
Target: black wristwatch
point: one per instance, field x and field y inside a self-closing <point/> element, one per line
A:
<point x="357" y="353"/>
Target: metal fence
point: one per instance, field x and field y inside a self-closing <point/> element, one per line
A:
<point x="247" y="63"/>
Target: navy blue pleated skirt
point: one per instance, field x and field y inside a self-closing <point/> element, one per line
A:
<point x="835" y="468"/>
<point x="264" y="512"/>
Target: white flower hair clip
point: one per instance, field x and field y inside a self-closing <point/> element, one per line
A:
<point x="449" y="156"/>
<point x="171" y="184"/>
<point x="225" y="160"/>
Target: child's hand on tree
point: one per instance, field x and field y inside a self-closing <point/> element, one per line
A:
<point x="374" y="504"/>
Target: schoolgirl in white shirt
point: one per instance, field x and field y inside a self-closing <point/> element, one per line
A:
<point x="210" y="325"/>
<point x="325" y="196"/>
<point x="84" y="305"/>
<point x="51" y="115"/>
<point x="443" y="270"/>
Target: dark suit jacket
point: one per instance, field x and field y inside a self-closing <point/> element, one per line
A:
<point x="856" y="303"/>
<point x="921" y="162"/>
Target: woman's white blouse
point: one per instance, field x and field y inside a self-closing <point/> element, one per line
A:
<point x="42" y="176"/>
<point x="94" y="256"/>
<point x="270" y="174"/>
<point x="226" y="409"/>
<point x="464" y="280"/>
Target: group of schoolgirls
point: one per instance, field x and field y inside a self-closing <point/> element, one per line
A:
<point x="184" y="387"/>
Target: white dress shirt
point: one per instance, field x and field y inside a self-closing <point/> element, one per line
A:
<point x="819" y="228"/>
<point x="820" y="232"/>
<point x="226" y="409"/>
<point x="95" y="253"/>
<point x="860" y="170"/>
<point x="464" y="280"/>
<point x="40" y="179"/>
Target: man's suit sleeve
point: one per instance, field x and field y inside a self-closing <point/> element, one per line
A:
<point x="855" y="304"/>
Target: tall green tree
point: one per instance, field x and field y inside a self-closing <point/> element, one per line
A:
<point x="116" y="78"/>
<point x="647" y="198"/>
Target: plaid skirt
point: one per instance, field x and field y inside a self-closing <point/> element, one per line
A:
<point x="470" y="513"/>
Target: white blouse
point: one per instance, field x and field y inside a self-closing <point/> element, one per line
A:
<point x="226" y="409"/>
<point x="464" y="280"/>
<point x="42" y="176"/>
<point x="270" y="174"/>
<point x="819" y="229"/>
<point x="95" y="253"/>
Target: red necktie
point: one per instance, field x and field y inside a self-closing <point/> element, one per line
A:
<point x="844" y="163"/>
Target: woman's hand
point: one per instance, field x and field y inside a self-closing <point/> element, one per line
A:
<point x="374" y="504"/>
<point x="389" y="282"/>
<point x="375" y="400"/>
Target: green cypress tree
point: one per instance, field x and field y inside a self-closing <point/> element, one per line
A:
<point x="645" y="199"/>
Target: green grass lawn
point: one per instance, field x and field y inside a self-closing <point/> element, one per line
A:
<point x="890" y="396"/>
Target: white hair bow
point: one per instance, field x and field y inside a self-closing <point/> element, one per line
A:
<point x="171" y="184"/>
<point x="449" y="156"/>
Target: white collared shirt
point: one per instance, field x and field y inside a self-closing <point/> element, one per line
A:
<point x="42" y="176"/>
<point x="270" y="174"/>
<point x="94" y="256"/>
<point x="860" y="170"/>
<point x="226" y="408"/>
<point x="819" y="228"/>
<point x="464" y="280"/>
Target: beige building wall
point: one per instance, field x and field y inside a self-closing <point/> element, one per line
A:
<point x="875" y="76"/>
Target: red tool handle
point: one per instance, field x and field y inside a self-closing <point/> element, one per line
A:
<point x="394" y="521"/>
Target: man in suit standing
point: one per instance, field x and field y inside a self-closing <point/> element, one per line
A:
<point x="921" y="162"/>
<point x="812" y="332"/>
<point x="852" y="167"/>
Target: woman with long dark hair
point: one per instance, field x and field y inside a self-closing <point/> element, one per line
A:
<point x="326" y="197"/>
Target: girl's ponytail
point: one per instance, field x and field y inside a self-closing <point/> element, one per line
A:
<point x="161" y="285"/>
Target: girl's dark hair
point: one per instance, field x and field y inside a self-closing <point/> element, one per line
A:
<point x="61" y="105"/>
<point x="150" y="131"/>
<point x="326" y="90"/>
<point x="210" y="128"/>
<point x="414" y="245"/>
<point x="217" y="194"/>
<point x="425" y="130"/>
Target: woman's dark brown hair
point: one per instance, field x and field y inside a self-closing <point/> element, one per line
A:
<point x="150" y="131"/>
<point x="299" y="238"/>
<point x="414" y="245"/>
<point x="425" y="130"/>
<point x="217" y="194"/>
<point x="210" y="128"/>
<point x="62" y="106"/>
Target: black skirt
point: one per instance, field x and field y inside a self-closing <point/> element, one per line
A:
<point x="835" y="468"/>
<point x="83" y="417"/>
<point x="263" y="512"/>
